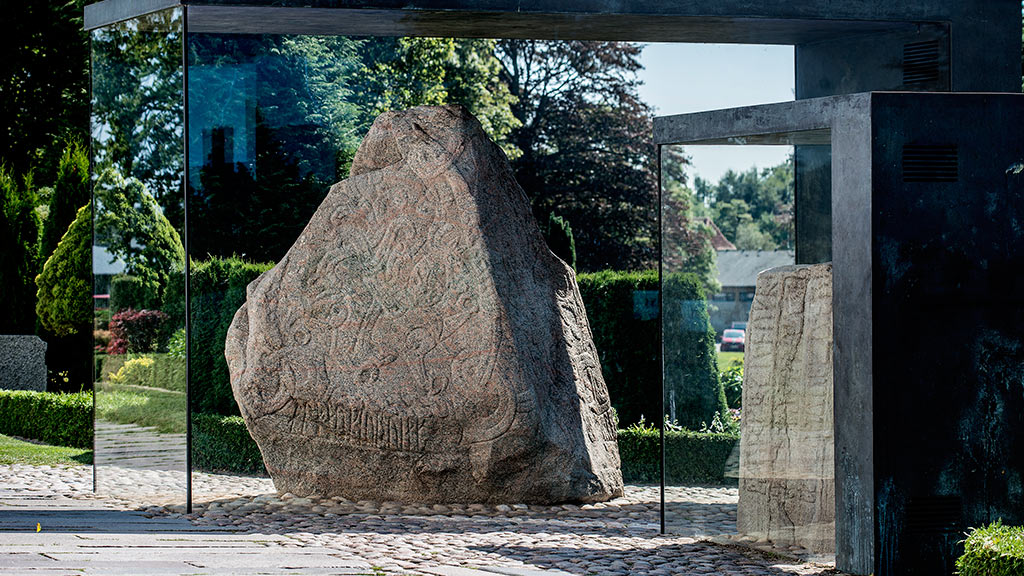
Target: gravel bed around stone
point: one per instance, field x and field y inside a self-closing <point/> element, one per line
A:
<point x="619" y="538"/>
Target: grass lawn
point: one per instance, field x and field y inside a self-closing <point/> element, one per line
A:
<point x="725" y="359"/>
<point x="162" y="409"/>
<point x="14" y="451"/>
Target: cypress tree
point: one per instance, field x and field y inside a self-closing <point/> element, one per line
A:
<point x="70" y="192"/>
<point x="558" y="234"/>
<point x="64" y="303"/>
<point x="19" y="232"/>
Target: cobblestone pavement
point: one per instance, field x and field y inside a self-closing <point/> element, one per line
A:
<point x="337" y="536"/>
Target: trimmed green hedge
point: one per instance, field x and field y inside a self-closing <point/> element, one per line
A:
<point x="693" y="387"/>
<point x="217" y="292"/>
<point x="59" y="419"/>
<point x="222" y="444"/>
<point x="994" y="550"/>
<point x="627" y="342"/>
<point x="132" y="292"/>
<point x="625" y="329"/>
<point x="690" y="457"/>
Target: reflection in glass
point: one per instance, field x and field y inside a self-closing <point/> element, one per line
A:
<point x="274" y="121"/>
<point x="709" y="414"/>
<point x="137" y="144"/>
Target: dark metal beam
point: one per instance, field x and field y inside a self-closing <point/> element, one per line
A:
<point x="110" y="12"/>
<point x="554" y="25"/>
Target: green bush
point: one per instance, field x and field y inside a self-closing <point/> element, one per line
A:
<point x="19" y="232"/>
<point x="627" y="342"/>
<point x="132" y="225"/>
<point x="151" y="370"/>
<point x="59" y="419"/>
<point x="70" y="192"/>
<point x="128" y="291"/>
<point x="732" y="383"/>
<point x="690" y="457"/>
<point x="217" y="291"/>
<point x="994" y="550"/>
<point x="222" y="444"/>
<point x="64" y="299"/>
<point x="107" y="364"/>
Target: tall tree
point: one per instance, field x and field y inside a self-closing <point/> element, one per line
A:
<point x="70" y="192"/>
<point x="399" y="73"/>
<point x="132" y="227"/>
<point x="754" y="209"/>
<point x="686" y="241"/>
<point x="137" y="106"/>
<point x="44" y="82"/>
<point x="19" y="233"/>
<point x="586" y="150"/>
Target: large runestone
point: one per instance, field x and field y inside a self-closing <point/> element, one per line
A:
<point x="419" y="342"/>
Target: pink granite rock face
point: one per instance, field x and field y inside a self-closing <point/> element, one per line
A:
<point x="419" y="342"/>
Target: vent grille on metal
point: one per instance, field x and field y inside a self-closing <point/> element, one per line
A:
<point x="921" y="63"/>
<point x="931" y="163"/>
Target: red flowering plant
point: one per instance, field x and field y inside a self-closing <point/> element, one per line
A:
<point x="135" y="331"/>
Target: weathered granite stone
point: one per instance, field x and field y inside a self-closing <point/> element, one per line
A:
<point x="22" y="363"/>
<point x="787" y="478"/>
<point x="419" y="342"/>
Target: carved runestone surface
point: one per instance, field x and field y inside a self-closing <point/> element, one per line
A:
<point x="787" y="478"/>
<point x="419" y="342"/>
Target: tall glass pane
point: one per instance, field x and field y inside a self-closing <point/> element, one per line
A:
<point x="275" y="121"/>
<point x="270" y="130"/>
<point x="749" y="372"/>
<point x="137" y="148"/>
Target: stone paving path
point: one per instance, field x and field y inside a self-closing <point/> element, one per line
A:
<point x="241" y="527"/>
<point x="138" y="447"/>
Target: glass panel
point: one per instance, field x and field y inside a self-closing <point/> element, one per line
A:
<point x="270" y="130"/>
<point x="137" y="147"/>
<point x="752" y="368"/>
<point x="274" y="121"/>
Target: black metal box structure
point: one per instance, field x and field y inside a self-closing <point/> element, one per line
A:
<point x="928" y="252"/>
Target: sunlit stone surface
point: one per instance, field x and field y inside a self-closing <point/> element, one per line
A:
<point x="787" y="479"/>
<point x="419" y="342"/>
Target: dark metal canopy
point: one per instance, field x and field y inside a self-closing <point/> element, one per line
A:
<point x="643" y="20"/>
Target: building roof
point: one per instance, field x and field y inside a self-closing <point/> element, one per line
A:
<point x="739" y="268"/>
<point x="718" y="240"/>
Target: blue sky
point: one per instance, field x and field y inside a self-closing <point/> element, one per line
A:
<point x="683" y="78"/>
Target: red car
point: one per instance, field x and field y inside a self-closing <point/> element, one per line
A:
<point x="733" y="340"/>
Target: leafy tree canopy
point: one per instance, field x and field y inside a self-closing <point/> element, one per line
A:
<point x="586" y="152"/>
<point x="133" y="228"/>
<point x="137" y="106"/>
<point x="753" y="209"/>
<point x="686" y="240"/>
<point x="44" y="83"/>
<point x="404" y="72"/>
